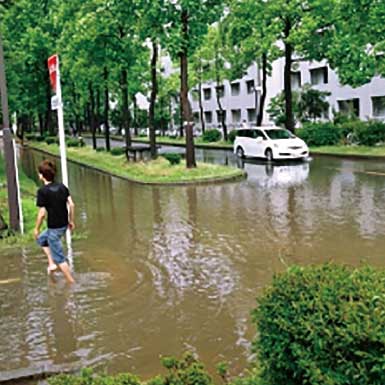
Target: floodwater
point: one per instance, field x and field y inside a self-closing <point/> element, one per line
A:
<point x="169" y="269"/>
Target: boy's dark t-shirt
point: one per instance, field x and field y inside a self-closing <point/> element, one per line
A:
<point x="53" y="197"/>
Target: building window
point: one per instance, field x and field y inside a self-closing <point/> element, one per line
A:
<point x="349" y="106"/>
<point x="236" y="116"/>
<point x="207" y="93"/>
<point x="220" y="91"/>
<point x="295" y="80"/>
<point x="219" y="115"/>
<point x="251" y="115"/>
<point x="208" y="116"/>
<point x="319" y="76"/>
<point x="378" y="106"/>
<point x="250" y="86"/>
<point x="196" y="117"/>
<point x="235" y="89"/>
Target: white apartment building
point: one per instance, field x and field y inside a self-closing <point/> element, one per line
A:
<point x="239" y="101"/>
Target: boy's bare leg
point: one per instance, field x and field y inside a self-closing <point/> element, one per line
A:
<point x="64" y="267"/>
<point x="51" y="264"/>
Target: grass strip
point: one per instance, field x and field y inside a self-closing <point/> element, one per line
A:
<point x="361" y="151"/>
<point x="158" y="171"/>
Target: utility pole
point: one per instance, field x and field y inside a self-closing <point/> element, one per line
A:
<point x="9" y="151"/>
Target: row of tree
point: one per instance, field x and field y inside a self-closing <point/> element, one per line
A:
<point x="111" y="50"/>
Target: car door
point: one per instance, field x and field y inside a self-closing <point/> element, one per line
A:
<point x="258" y="143"/>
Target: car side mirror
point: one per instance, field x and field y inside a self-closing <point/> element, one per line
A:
<point x="259" y="139"/>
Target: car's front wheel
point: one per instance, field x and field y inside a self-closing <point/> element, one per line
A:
<point x="240" y="152"/>
<point x="269" y="155"/>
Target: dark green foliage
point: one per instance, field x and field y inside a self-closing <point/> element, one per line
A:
<point x="40" y="138"/>
<point x="187" y="371"/>
<point x="172" y="157"/>
<point x="210" y="136"/>
<point x="232" y="135"/>
<point x="75" y="142"/>
<point x="370" y="133"/>
<point x="117" y="151"/>
<point x="30" y="136"/>
<point x="320" y="134"/>
<point x="51" y="140"/>
<point x="322" y="325"/>
<point x="100" y="149"/>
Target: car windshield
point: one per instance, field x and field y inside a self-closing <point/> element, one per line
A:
<point x="279" y="134"/>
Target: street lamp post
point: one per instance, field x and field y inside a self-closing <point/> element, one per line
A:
<point x="9" y="151"/>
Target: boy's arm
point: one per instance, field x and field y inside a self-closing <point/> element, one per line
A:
<point x="71" y="213"/>
<point x="39" y="221"/>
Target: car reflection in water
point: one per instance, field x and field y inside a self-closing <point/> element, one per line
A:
<point x="269" y="175"/>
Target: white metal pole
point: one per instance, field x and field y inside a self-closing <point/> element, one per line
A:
<point x="14" y="128"/>
<point x="63" y="155"/>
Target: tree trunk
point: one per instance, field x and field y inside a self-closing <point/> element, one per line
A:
<point x="106" y="110"/>
<point x="92" y="115"/>
<point x="261" y="105"/>
<point x="126" y="112"/>
<point x="190" y="151"/>
<point x="48" y="127"/>
<point x="135" y="122"/>
<point x="223" y="118"/>
<point x="181" y="129"/>
<point x="289" y="122"/>
<point x="97" y="113"/>
<point x="201" y="113"/>
<point x="154" y="91"/>
<point x="41" y="123"/>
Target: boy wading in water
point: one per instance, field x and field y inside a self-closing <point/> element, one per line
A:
<point x="52" y="200"/>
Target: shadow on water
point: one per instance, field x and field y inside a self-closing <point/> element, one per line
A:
<point x="166" y="269"/>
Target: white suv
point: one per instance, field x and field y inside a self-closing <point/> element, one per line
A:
<point x="269" y="143"/>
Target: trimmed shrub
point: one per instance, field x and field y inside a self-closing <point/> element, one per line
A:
<point x="210" y="136"/>
<point x="100" y="149"/>
<point x="370" y="133"/>
<point x="75" y="142"/>
<point x="322" y="325"/>
<point x="232" y="135"/>
<point x="351" y="126"/>
<point x="320" y="134"/>
<point x="187" y="371"/>
<point x="40" y="138"/>
<point x="30" y="136"/>
<point x="172" y="157"/>
<point x="51" y="140"/>
<point x="117" y="151"/>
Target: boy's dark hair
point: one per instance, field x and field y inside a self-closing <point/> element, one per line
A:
<point x="48" y="170"/>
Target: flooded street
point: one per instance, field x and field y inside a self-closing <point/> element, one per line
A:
<point x="168" y="269"/>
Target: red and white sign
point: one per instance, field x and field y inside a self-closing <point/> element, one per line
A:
<point x="53" y="64"/>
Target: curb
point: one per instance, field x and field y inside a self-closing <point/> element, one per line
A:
<point x="232" y="178"/>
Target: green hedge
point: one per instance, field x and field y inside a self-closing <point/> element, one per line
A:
<point x="232" y="135"/>
<point x="322" y="325"/>
<point x="173" y="158"/>
<point x="52" y="140"/>
<point x="370" y="133"/>
<point x="187" y="371"/>
<point x="211" y="136"/>
<point x="117" y="151"/>
<point x="320" y="134"/>
<point x="75" y="142"/>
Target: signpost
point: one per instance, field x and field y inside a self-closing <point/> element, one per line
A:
<point x="57" y="104"/>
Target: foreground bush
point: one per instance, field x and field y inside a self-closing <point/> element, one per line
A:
<point x="232" y="135"/>
<point x="187" y="371"/>
<point x="370" y="133"/>
<point x="320" y="134"/>
<point x="323" y="325"/>
<point x="210" y="136"/>
<point x="172" y="157"/>
<point x="117" y="151"/>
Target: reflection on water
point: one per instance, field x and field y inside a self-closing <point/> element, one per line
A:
<point x="170" y="268"/>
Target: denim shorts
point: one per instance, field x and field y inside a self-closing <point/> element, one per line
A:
<point x="51" y="238"/>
